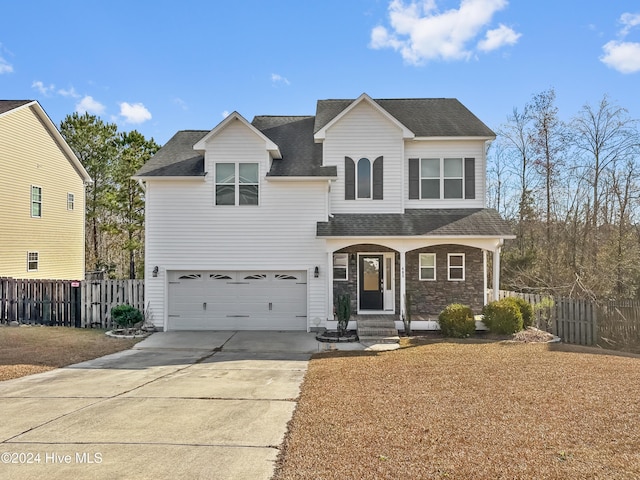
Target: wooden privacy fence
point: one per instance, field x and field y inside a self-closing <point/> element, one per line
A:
<point x="608" y="324"/>
<point x="67" y="303"/>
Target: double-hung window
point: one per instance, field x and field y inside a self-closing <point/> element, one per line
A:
<point x="455" y="266"/>
<point x="441" y="178"/>
<point x="71" y="200"/>
<point x="237" y="183"/>
<point x="36" y="201"/>
<point x="32" y="261"/>
<point x="427" y="266"/>
<point x="340" y="266"/>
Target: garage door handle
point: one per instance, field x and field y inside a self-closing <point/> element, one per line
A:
<point x="204" y="306"/>
<point x="270" y="306"/>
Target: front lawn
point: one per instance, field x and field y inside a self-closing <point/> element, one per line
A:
<point x="466" y="410"/>
<point x="34" y="349"/>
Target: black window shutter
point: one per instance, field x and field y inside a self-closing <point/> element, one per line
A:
<point x="349" y="179"/>
<point x="377" y="178"/>
<point x="469" y="178"/>
<point x="414" y="178"/>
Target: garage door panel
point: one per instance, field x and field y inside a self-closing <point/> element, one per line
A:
<point x="238" y="300"/>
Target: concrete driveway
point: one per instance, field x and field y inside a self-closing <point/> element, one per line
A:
<point x="210" y="405"/>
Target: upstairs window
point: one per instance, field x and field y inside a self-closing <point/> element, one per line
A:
<point x="442" y="178"/>
<point x="36" y="201"/>
<point x="71" y="200"/>
<point x="364" y="179"/>
<point x="237" y="183"/>
<point x="32" y="261"/>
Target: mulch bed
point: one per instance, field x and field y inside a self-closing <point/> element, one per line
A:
<point x="468" y="409"/>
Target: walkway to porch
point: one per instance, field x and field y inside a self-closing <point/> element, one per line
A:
<point x="376" y="329"/>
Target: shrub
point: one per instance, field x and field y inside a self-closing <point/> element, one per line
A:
<point x="526" y="310"/>
<point x="343" y="312"/>
<point x="502" y="317"/>
<point x="126" y="316"/>
<point x="457" y="320"/>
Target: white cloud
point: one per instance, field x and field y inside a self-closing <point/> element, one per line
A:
<point x="421" y="32"/>
<point x="622" y="56"/>
<point x="42" y="88"/>
<point x="629" y="20"/>
<point x="180" y="103"/>
<point x="134" y="113"/>
<point x="225" y="114"/>
<point x="275" y="78"/>
<point x="498" y="37"/>
<point x="71" y="92"/>
<point x="5" y="67"/>
<point x="89" y="105"/>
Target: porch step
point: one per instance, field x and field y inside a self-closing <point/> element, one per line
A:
<point x="378" y="329"/>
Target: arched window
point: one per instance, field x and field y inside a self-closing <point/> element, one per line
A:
<point x="363" y="180"/>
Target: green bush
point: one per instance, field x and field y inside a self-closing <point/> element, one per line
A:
<point x="526" y="310"/>
<point x="502" y="317"/>
<point x="126" y="316"/>
<point x="457" y="320"/>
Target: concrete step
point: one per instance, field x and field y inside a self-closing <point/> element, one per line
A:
<point x="376" y="323"/>
<point x="374" y="340"/>
<point x="379" y="332"/>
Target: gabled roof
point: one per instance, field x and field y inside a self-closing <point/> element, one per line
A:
<point x="320" y="133"/>
<point x="425" y="117"/>
<point x="290" y="139"/>
<point x="472" y="222"/>
<point x="177" y="158"/>
<point x="235" y="116"/>
<point x="9" y="106"/>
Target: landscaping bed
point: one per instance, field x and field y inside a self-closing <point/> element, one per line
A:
<point x="466" y="409"/>
<point x="26" y="350"/>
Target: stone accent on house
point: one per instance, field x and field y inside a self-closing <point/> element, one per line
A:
<point x="341" y="287"/>
<point x="430" y="297"/>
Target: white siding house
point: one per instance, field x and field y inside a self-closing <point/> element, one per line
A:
<point x="261" y="225"/>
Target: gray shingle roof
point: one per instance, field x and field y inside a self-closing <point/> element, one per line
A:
<point x="418" y="222"/>
<point x="301" y="157"/>
<point x="177" y="158"/>
<point x="425" y="117"/>
<point x="7" y="105"/>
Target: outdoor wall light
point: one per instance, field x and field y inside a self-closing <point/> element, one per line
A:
<point x="316" y="272"/>
<point x="155" y="271"/>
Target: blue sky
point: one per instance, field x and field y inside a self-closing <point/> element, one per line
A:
<point x="165" y="66"/>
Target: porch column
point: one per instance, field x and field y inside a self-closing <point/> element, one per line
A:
<point x="403" y="284"/>
<point x="484" y="277"/>
<point x="329" y="285"/>
<point x="496" y="273"/>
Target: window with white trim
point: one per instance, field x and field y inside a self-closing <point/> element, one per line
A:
<point x="32" y="261"/>
<point x="442" y="178"/>
<point x="341" y="266"/>
<point x="455" y="266"/>
<point x="36" y="201"/>
<point x="71" y="200"/>
<point x="236" y="183"/>
<point x="363" y="178"/>
<point x="427" y="266"/>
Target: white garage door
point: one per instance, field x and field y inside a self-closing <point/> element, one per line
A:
<point x="237" y="300"/>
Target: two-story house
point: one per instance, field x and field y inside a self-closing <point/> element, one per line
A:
<point x="42" y="192"/>
<point x="262" y="225"/>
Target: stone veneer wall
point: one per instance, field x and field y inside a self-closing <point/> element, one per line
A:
<point x="430" y="297"/>
<point x="350" y="286"/>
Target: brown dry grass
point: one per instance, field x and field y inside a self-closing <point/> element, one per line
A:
<point x="466" y="410"/>
<point x="28" y="350"/>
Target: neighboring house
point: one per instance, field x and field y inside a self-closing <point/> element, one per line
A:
<point x="42" y="192"/>
<point x="262" y="225"/>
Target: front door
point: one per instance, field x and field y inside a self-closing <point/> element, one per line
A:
<point x="371" y="284"/>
